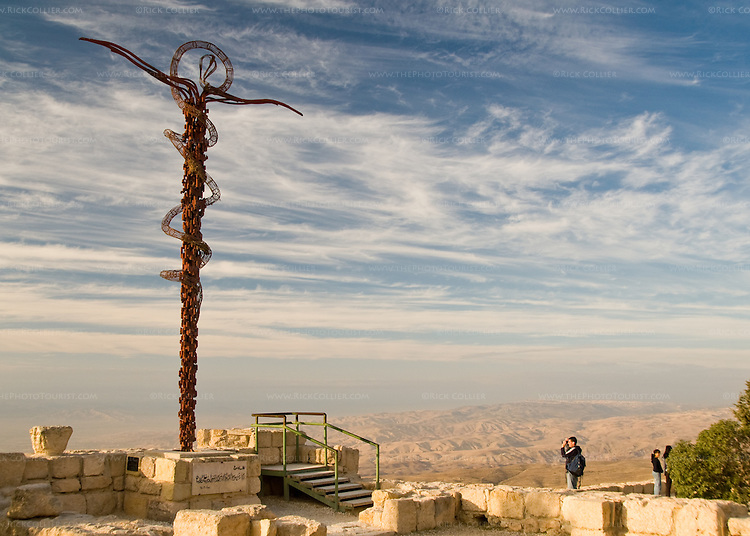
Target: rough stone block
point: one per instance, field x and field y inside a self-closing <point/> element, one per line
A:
<point x="165" y="510"/>
<point x="731" y="509"/>
<point x="542" y="504"/>
<point x="298" y="526"/>
<point x="118" y="483"/>
<point x="253" y="465"/>
<point x="269" y="455"/>
<point x="210" y="523"/>
<point x="218" y="438"/>
<point x="474" y="499"/>
<point x="515" y="525"/>
<point x="351" y="460"/>
<point x="425" y="513"/>
<point x="34" y="500"/>
<point x="445" y="510"/>
<point x="149" y="487"/>
<point x="264" y="438"/>
<point x="168" y="470"/>
<point x="95" y="482"/>
<point x="739" y="526"/>
<point x="262" y="527"/>
<point x="255" y="511"/>
<point x="135" y="504"/>
<point x="176" y="492"/>
<point x="100" y="503"/>
<point x="506" y="503"/>
<point x="701" y="518"/>
<point x="530" y="525"/>
<point x="372" y="516"/>
<point x="73" y="502"/>
<point x="117" y="462"/>
<point x="649" y="516"/>
<point x="66" y="485"/>
<point x="253" y="485"/>
<point x="304" y="453"/>
<point x="65" y="466"/>
<point x="238" y="438"/>
<point x="554" y="526"/>
<point x="95" y="464"/>
<point x="234" y="501"/>
<point x="119" y="499"/>
<point x="399" y="515"/>
<point x="379" y="496"/>
<point x="12" y="467"/>
<point x="201" y="503"/>
<point x="594" y="513"/>
<point x="203" y="438"/>
<point x="36" y="468"/>
<point x="148" y="466"/>
<point x="277" y="438"/>
<point x="50" y="440"/>
<point x="132" y="482"/>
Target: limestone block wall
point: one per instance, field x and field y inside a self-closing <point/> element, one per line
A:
<point x="269" y="447"/>
<point x="253" y="520"/>
<point x="407" y="508"/>
<point x="89" y="482"/>
<point x="159" y="486"/>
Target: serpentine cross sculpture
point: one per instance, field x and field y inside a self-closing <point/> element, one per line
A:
<point x="199" y="135"/>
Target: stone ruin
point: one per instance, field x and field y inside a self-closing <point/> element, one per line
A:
<point x="214" y="492"/>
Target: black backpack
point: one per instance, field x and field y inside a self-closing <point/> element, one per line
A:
<point x="577" y="465"/>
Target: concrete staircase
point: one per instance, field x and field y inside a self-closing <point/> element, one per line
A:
<point x="319" y="482"/>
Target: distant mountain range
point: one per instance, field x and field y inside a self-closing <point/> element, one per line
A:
<point x="462" y="440"/>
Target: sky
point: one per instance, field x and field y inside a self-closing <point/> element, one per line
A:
<point x="484" y="202"/>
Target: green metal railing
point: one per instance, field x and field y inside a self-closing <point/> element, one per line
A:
<point x="294" y="427"/>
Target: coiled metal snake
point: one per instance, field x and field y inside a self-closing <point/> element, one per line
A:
<point x="199" y="135"/>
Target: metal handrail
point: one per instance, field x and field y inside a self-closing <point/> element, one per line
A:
<point x="285" y="425"/>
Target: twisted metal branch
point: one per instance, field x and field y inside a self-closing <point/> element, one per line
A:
<point x="199" y="135"/>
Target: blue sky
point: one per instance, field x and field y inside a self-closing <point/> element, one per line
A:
<point x="484" y="202"/>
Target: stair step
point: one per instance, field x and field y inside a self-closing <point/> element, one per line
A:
<point x="343" y="486"/>
<point x="356" y="494"/>
<point x="312" y="475"/>
<point x="357" y="503"/>
<point x="323" y="482"/>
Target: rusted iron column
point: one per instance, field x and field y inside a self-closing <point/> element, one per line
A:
<point x="199" y="135"/>
<point x="193" y="208"/>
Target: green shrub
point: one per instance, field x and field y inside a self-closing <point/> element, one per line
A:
<point x="717" y="465"/>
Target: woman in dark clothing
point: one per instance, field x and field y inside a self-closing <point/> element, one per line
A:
<point x="667" y="478"/>
<point x="656" y="471"/>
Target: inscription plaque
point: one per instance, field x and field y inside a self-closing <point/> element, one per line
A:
<point x="219" y="477"/>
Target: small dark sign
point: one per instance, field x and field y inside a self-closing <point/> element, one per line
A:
<point x="132" y="464"/>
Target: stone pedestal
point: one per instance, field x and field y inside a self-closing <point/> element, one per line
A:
<point x="50" y="440"/>
<point x="161" y="483"/>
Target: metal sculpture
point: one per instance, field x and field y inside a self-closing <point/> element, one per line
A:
<point x="199" y="135"/>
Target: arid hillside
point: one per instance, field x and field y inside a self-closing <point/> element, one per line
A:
<point x="519" y="443"/>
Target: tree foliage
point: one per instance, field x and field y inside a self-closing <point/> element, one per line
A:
<point x="742" y="407"/>
<point x="717" y="465"/>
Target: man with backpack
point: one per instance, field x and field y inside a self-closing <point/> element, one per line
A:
<point x="575" y="463"/>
